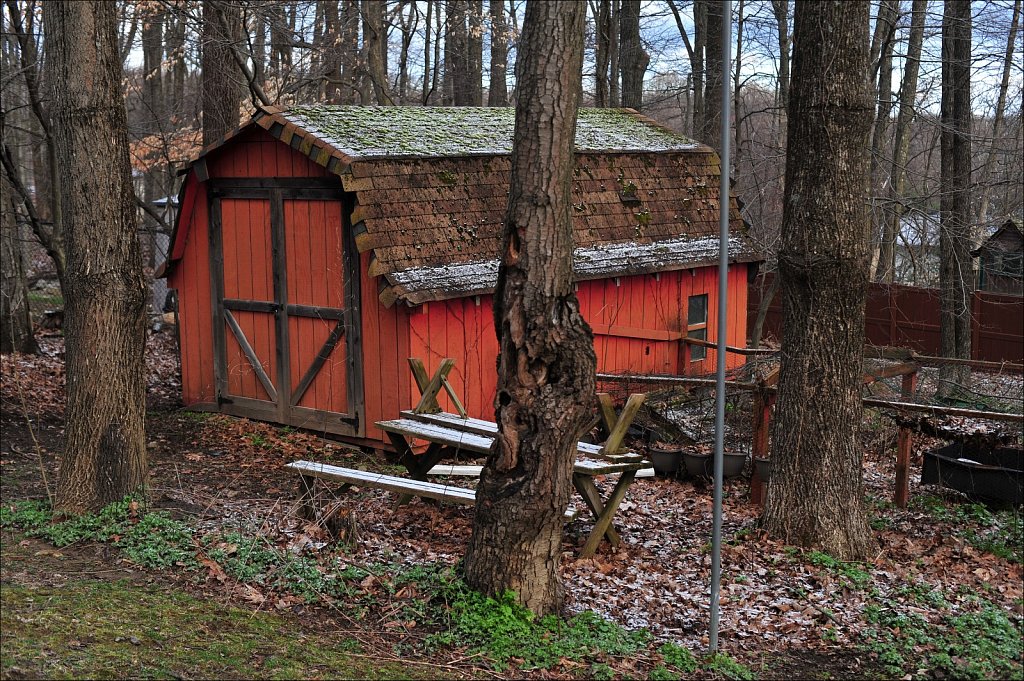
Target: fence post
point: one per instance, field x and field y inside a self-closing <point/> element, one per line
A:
<point x="975" y="324"/>
<point x="762" y="405"/>
<point x="904" y="445"/>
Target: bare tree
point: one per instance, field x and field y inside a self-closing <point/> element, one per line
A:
<point x="956" y="273"/>
<point x="1000" y="115"/>
<point x="546" y="360"/>
<point x="710" y="127"/>
<point x="633" y="58"/>
<point x="816" y="496"/>
<point x="105" y="294"/>
<point x="375" y="40"/>
<point x="223" y="87"/>
<point x="886" y="269"/>
<point x="497" y="91"/>
<point x="15" y="320"/>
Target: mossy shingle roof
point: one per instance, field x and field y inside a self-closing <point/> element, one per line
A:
<point x="391" y="131"/>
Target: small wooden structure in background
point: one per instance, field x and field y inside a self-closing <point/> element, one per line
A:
<point x="318" y="248"/>
<point x="1001" y="260"/>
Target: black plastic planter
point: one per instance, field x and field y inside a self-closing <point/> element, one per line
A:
<point x="985" y="474"/>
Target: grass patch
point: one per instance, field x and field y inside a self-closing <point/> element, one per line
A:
<point x="152" y="540"/>
<point x="95" y="629"/>
<point x="507" y="633"/>
<point x="982" y="642"/>
<point x="1000" y="533"/>
<point x="855" y="576"/>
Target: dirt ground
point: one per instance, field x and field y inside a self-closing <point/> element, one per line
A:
<point x="786" y="612"/>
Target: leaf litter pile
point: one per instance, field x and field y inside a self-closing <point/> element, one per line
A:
<point x="944" y="567"/>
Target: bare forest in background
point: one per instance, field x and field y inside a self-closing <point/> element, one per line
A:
<point x="194" y="69"/>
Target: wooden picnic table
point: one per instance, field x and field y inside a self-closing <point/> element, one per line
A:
<point x="449" y="435"/>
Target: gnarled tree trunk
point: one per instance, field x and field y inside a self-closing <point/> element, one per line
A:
<point x="105" y="293"/>
<point x="546" y="363"/>
<point x="816" y="496"/>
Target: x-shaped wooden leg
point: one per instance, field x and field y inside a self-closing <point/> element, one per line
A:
<point x="418" y="465"/>
<point x="430" y="387"/>
<point x="603" y="512"/>
<point x="617" y="425"/>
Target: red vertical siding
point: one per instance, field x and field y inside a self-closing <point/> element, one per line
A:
<point x="637" y="325"/>
<point x="191" y="279"/>
<point x="386" y="349"/>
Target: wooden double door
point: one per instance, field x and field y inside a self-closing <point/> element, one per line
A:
<point x="286" y="292"/>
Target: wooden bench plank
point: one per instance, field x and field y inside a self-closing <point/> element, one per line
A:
<point x="390" y="483"/>
<point x="439" y="434"/>
<point x="351" y="476"/>
<point x="489" y="429"/>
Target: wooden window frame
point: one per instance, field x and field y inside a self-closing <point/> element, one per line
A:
<point x="697" y="353"/>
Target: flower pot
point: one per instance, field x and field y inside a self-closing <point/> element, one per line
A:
<point x="666" y="459"/>
<point x="703" y="465"/>
<point x="763" y="465"/>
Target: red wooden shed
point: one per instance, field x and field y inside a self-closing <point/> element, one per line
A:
<point x="318" y="248"/>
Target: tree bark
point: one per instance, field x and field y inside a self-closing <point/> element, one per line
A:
<point x="956" y="272"/>
<point x="223" y="87"/>
<point x="886" y="270"/>
<point x="497" y="91"/>
<point x="632" y="56"/>
<point x="816" y="495"/>
<point x="711" y="124"/>
<point x="15" y="320"/>
<point x="105" y="450"/>
<point x="546" y="363"/>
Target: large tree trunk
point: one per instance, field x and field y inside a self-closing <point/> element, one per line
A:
<point x="886" y="270"/>
<point x="104" y="329"/>
<point x="223" y="86"/>
<point x="956" y="272"/>
<point x="15" y="320"/>
<point x="546" y="364"/>
<point x="816" y="495"/>
<point x="497" y="91"/>
<point x="633" y="58"/>
<point x="711" y="123"/>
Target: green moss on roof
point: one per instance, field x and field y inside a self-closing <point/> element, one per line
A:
<point x="389" y="131"/>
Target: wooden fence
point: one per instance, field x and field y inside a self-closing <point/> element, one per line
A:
<point x="908" y="316"/>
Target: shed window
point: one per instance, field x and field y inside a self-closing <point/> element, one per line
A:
<point x="697" y="325"/>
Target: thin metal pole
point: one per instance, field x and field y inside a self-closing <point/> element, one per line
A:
<point x="723" y="297"/>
